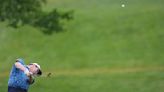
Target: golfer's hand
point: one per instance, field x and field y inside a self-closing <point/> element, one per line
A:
<point x="28" y="73"/>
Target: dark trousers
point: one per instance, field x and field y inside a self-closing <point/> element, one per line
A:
<point x="13" y="89"/>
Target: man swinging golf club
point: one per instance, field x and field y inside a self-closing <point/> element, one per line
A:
<point x="22" y="76"/>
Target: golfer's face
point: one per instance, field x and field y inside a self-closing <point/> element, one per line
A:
<point x="34" y="69"/>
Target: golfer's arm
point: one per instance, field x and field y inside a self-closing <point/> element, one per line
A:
<point x="20" y="66"/>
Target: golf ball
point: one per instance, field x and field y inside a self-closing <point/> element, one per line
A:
<point x="123" y="5"/>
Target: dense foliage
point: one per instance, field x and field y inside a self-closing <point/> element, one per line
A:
<point x="21" y="12"/>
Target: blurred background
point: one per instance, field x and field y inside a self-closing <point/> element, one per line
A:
<point x="106" y="47"/>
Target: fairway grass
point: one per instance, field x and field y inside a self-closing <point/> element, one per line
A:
<point x="117" y="80"/>
<point x="106" y="48"/>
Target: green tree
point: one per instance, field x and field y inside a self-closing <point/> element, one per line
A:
<point x="29" y="12"/>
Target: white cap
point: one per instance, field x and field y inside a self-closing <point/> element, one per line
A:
<point x="37" y="65"/>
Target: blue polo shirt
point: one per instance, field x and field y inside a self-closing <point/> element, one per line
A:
<point x="17" y="77"/>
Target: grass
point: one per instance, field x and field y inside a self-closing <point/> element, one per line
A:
<point x="131" y="82"/>
<point x="102" y="36"/>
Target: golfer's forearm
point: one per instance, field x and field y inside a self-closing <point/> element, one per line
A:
<point x="20" y="66"/>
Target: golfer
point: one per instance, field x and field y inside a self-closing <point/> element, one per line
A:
<point x="22" y="76"/>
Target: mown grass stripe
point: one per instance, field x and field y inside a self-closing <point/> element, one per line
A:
<point x="100" y="71"/>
